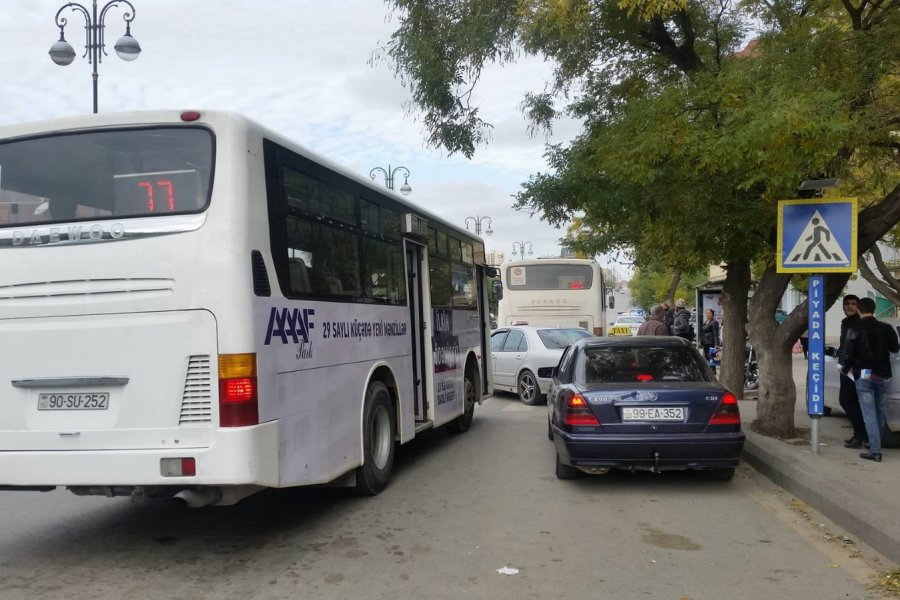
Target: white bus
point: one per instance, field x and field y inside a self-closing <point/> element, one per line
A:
<point x="192" y="306"/>
<point x="567" y="292"/>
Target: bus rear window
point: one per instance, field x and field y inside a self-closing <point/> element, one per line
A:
<point x="549" y="277"/>
<point x="105" y="174"/>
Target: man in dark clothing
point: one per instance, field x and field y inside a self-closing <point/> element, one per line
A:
<point x="848" y="399"/>
<point x="681" y="325"/>
<point x="656" y="324"/>
<point x="868" y="357"/>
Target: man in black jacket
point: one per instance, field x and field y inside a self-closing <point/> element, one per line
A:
<point x="848" y="398"/>
<point x="868" y="357"/>
<point x="681" y="324"/>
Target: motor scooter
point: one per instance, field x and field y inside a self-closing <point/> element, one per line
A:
<point x="751" y="369"/>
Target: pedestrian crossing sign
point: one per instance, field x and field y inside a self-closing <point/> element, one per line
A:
<point x="817" y="235"/>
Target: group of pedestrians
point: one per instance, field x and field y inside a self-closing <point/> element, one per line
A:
<point x="664" y="320"/>
<point x="864" y="357"/>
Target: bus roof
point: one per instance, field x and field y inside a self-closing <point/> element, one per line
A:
<point x="213" y="118"/>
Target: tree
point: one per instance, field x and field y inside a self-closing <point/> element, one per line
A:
<point x="651" y="287"/>
<point x="687" y="145"/>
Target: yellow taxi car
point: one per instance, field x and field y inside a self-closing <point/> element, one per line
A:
<point x="625" y="325"/>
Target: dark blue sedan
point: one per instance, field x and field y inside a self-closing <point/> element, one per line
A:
<point x="641" y="403"/>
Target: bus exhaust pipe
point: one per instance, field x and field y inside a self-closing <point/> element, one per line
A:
<point x="199" y="498"/>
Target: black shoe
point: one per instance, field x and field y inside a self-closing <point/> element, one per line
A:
<point x="850" y="439"/>
<point x="853" y="443"/>
<point x="870" y="456"/>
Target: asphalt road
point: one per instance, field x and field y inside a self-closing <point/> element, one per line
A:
<point x="459" y="508"/>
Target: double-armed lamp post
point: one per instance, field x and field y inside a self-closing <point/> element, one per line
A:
<point x="478" y="219"/>
<point x="126" y="47"/>
<point x="521" y="246"/>
<point x="389" y="174"/>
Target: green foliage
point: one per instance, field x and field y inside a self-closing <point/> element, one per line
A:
<point x="649" y="287"/>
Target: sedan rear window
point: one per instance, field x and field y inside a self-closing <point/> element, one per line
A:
<point x="634" y="320"/>
<point x="557" y="339"/>
<point x="622" y="364"/>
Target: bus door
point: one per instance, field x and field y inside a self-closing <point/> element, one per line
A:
<point x="484" y="326"/>
<point x="414" y="268"/>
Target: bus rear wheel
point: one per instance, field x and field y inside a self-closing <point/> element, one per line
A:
<point x="470" y="396"/>
<point x="378" y="441"/>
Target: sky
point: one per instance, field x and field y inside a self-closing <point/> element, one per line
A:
<point x="300" y="67"/>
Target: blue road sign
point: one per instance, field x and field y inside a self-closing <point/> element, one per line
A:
<point x="815" y="374"/>
<point x="817" y="235"/>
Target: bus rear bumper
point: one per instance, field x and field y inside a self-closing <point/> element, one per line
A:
<point x="237" y="457"/>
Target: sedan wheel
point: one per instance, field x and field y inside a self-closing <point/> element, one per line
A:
<point x="564" y="471"/>
<point x="529" y="392"/>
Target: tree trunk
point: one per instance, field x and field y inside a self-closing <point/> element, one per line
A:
<point x="777" y="392"/>
<point x="673" y="285"/>
<point x="734" y="309"/>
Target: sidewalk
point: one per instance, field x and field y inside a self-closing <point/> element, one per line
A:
<point x="859" y="495"/>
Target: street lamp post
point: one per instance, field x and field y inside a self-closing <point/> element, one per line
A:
<point x="521" y="246"/>
<point x="478" y="220"/>
<point x="127" y="47"/>
<point x="389" y="173"/>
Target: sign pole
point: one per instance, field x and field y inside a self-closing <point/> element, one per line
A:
<point x="815" y="371"/>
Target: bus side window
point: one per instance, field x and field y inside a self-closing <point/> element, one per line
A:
<point x="299" y="275"/>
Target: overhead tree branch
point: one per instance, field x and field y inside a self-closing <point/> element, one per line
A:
<point x="893" y="293"/>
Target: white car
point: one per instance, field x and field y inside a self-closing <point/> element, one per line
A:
<point x="890" y="438"/>
<point x="626" y="324"/>
<point x="525" y="355"/>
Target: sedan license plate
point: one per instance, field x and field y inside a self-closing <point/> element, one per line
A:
<point x="653" y="413"/>
<point x="74" y="401"/>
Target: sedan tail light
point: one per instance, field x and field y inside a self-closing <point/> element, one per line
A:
<point x="577" y="412"/>
<point x="727" y="413"/>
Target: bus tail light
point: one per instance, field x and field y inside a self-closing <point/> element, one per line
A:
<point x="238" y="398"/>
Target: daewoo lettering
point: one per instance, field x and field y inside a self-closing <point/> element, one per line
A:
<point x="82" y="232"/>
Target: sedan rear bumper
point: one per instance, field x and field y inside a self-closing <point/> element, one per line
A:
<point x="654" y="452"/>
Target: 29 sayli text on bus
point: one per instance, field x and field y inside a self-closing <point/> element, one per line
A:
<point x="193" y="306"/>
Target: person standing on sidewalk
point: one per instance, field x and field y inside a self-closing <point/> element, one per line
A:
<point x="709" y="335"/>
<point x="847" y="395"/>
<point x="656" y="324"/>
<point x="868" y="357"/>
<point x="682" y="323"/>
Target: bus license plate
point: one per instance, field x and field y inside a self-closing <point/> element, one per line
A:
<point x="653" y="413"/>
<point x="74" y="401"/>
